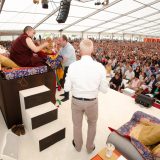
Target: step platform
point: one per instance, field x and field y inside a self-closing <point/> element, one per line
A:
<point x="35" y="96"/>
<point x="41" y="115"/>
<point x="49" y="134"/>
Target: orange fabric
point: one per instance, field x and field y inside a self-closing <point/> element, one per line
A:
<point x="152" y="40"/>
<point x="117" y="153"/>
<point x="97" y="157"/>
<point x="60" y="73"/>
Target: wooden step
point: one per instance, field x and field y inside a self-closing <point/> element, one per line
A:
<point x="35" y="96"/>
<point x="49" y="134"/>
<point x="41" y="115"/>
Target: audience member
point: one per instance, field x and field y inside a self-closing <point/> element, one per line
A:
<point x="115" y="82"/>
<point x="129" y="74"/>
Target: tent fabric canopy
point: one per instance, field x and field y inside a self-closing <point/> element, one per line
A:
<point x="141" y="17"/>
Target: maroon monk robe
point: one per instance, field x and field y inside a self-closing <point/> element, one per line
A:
<point x="22" y="55"/>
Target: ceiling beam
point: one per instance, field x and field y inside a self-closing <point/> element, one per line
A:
<point x="1" y="4"/>
<point x="45" y="18"/>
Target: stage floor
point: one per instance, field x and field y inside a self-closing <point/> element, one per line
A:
<point x="115" y="109"/>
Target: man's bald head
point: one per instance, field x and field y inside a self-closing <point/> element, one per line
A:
<point x="29" y="31"/>
<point x="86" y="47"/>
<point x="27" y="28"/>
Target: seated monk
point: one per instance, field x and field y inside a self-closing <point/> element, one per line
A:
<point x="23" y="48"/>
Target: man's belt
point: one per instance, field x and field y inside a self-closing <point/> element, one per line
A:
<point x="84" y="99"/>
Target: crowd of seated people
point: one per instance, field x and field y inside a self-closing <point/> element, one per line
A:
<point x="4" y="47"/>
<point x="5" y="44"/>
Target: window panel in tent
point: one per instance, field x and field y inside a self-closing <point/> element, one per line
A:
<point x="54" y="27"/>
<point x="138" y="22"/>
<point x="109" y="25"/>
<point x="146" y="30"/>
<point x="151" y="18"/>
<point x="150" y="24"/>
<point x="135" y="29"/>
<point x="143" y="12"/>
<point x="123" y="27"/>
<point x="86" y="4"/>
<point x="52" y="20"/>
<point x="127" y="37"/>
<point x="79" y="11"/>
<point x="153" y="31"/>
<point x="7" y="17"/>
<point x="97" y="29"/>
<point x="26" y="18"/>
<point x="12" y="26"/>
<point x="111" y="31"/>
<point x="76" y="28"/>
<point x="157" y="21"/>
<point x="154" y="27"/>
<point x="88" y="23"/>
<point x="28" y="7"/>
<point x="104" y="16"/>
<point x="124" y="19"/>
<point x="121" y="8"/>
<point x="90" y="4"/>
<point x="145" y="1"/>
<point x="149" y="31"/>
<point x="157" y="5"/>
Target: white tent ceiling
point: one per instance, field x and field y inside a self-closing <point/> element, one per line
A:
<point x="120" y="16"/>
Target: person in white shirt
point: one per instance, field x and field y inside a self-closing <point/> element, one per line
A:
<point x="114" y="62"/>
<point x="85" y="78"/>
<point x="129" y="74"/>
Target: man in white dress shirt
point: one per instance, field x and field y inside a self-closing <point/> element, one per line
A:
<point x="85" y="78"/>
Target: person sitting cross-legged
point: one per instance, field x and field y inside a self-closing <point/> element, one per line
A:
<point x="135" y="83"/>
<point x="115" y="82"/>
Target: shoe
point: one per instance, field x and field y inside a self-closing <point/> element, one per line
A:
<point x="21" y="128"/>
<point x="65" y="99"/>
<point x="62" y="94"/>
<point x="73" y="144"/>
<point x="15" y="130"/>
<point x="92" y="150"/>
